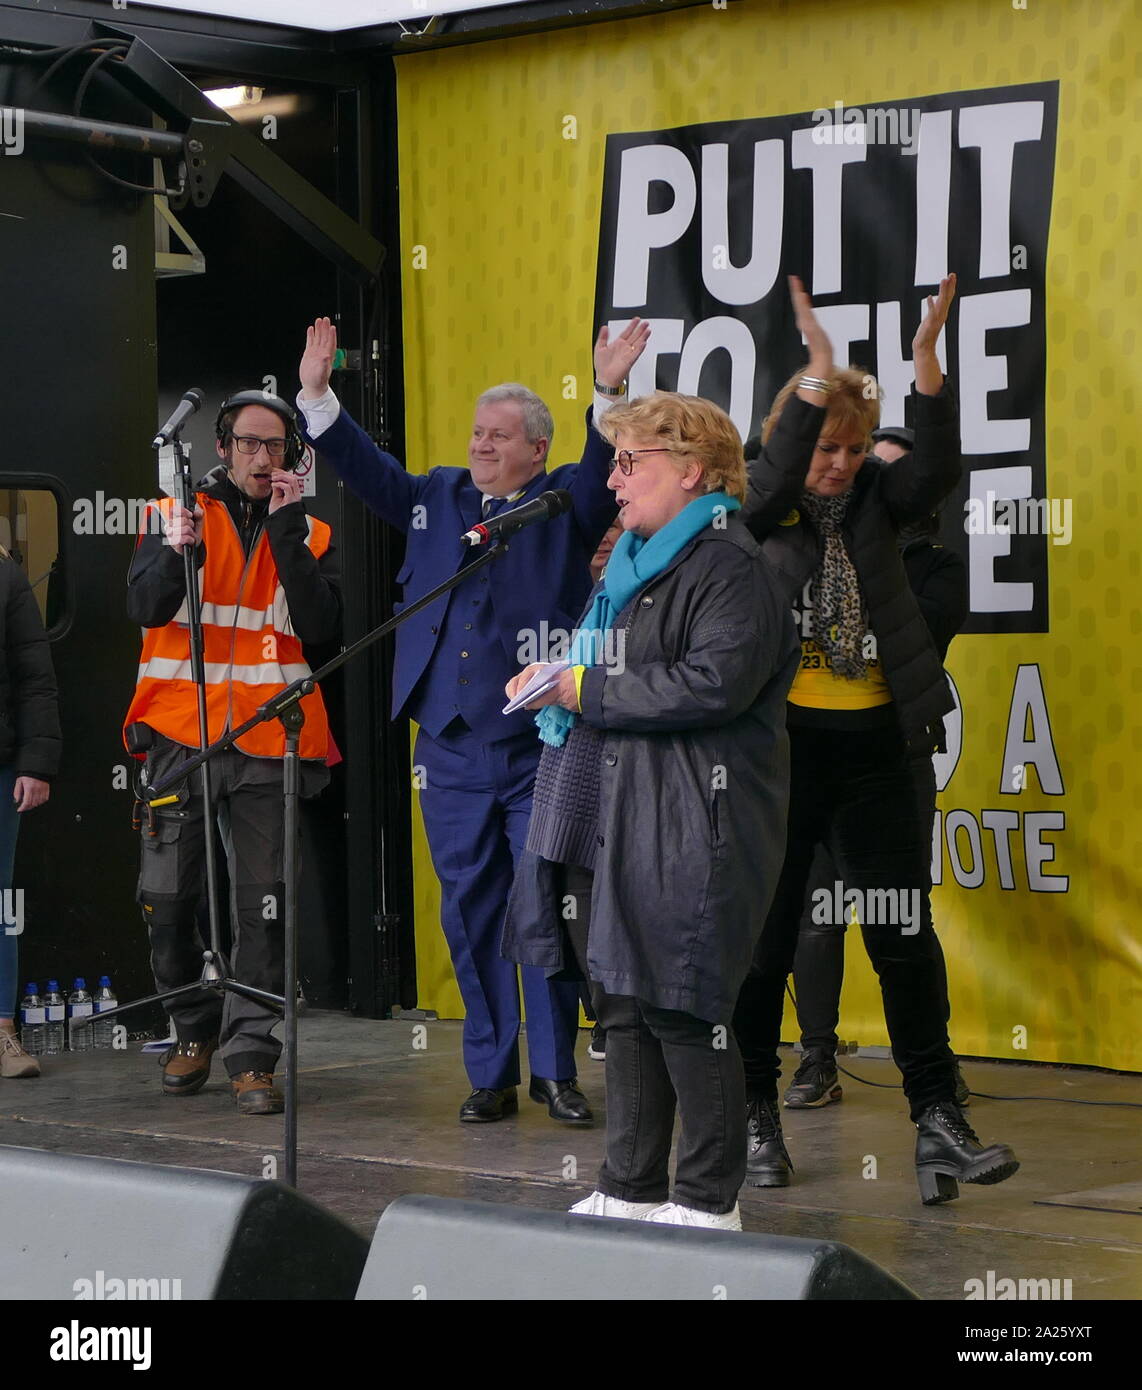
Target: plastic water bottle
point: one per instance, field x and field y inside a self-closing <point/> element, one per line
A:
<point x="104" y="999"/>
<point x="33" y="1021"/>
<point x="56" y="1013"/>
<point x="79" y="1005"/>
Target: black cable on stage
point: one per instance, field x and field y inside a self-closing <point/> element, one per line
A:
<point x="982" y="1095"/>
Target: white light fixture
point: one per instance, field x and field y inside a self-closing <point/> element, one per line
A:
<point x="228" y="97"/>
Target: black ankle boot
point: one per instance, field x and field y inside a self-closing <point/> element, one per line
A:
<point x="767" y="1160"/>
<point x="947" y="1150"/>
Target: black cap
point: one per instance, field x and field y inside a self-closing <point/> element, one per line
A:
<point x="899" y="434"/>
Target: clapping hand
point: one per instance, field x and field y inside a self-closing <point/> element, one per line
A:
<point x="809" y="326"/>
<point x="929" y="375"/>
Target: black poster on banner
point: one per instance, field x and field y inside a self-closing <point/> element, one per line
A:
<point x="871" y="206"/>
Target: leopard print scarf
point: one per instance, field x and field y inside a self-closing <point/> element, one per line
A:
<point x="839" y="620"/>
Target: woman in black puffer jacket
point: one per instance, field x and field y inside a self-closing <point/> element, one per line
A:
<point x="869" y="695"/>
<point x="29" y="758"/>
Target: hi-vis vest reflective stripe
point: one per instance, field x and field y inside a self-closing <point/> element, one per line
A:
<point x="249" y="646"/>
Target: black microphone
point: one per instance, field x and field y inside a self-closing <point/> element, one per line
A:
<point x="179" y="416"/>
<point x="542" y="508"/>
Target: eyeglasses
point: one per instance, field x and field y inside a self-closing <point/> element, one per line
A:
<point x="624" y="459"/>
<point x="250" y="444"/>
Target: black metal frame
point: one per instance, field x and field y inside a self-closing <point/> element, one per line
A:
<point x="358" y="65"/>
<point x="381" y="944"/>
<point x="341" y="58"/>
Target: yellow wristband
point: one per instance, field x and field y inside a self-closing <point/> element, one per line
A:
<point x="578" y="670"/>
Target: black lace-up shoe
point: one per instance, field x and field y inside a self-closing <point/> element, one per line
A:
<point x="484" y="1105"/>
<point x="815" y="1083"/>
<point x="948" y="1151"/>
<point x="767" y="1160"/>
<point x="563" y="1099"/>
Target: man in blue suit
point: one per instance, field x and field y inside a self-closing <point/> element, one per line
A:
<point x="453" y="660"/>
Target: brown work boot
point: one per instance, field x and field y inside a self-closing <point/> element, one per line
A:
<point x="186" y="1067"/>
<point x="14" y="1061"/>
<point x="256" y="1093"/>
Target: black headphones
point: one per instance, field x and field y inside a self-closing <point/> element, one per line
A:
<point x="295" y="445"/>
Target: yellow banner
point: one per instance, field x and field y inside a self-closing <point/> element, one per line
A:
<point x="502" y="144"/>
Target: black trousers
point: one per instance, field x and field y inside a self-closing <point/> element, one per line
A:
<point x="854" y="792"/>
<point x="660" y="1061"/>
<point x="248" y="792"/>
<point x="819" y="965"/>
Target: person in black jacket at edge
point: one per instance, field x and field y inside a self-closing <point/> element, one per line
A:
<point x="868" y="698"/>
<point x="939" y="579"/>
<point x="29" y="759"/>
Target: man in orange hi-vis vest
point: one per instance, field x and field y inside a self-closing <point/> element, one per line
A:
<point x="269" y="582"/>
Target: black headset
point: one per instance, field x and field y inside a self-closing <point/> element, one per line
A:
<point x="295" y="445"/>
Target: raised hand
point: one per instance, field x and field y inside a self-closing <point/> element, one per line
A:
<point x="808" y="325"/>
<point x="926" y="366"/>
<point x="316" y="364"/>
<point x="614" y="357"/>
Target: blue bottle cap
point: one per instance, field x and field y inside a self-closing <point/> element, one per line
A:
<point x="105" y="982"/>
<point x="53" y="986"/>
<point x="32" y="988"/>
<point x="80" y="982"/>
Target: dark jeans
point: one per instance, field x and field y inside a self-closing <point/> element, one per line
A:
<point x="9" y="931"/>
<point x="819" y="966"/>
<point x="659" y="1060"/>
<point x="854" y="792"/>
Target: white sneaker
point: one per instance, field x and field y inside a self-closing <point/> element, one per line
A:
<point x="599" y="1204"/>
<point x="670" y="1214"/>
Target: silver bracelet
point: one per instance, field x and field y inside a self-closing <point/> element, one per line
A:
<point x="815" y="383"/>
<point x="610" y="390"/>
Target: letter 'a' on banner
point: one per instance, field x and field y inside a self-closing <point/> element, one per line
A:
<point x="679" y="167"/>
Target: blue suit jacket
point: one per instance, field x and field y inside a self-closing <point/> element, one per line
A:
<point x="543" y="575"/>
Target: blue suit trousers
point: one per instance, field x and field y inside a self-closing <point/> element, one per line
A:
<point x="476" y="802"/>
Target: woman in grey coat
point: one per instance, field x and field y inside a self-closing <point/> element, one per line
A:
<point x="660" y="807"/>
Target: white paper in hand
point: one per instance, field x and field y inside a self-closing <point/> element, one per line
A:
<point x="544" y="679"/>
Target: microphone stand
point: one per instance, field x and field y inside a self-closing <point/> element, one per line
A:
<point x="286" y="708"/>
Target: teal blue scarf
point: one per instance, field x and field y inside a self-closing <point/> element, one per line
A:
<point x="633" y="563"/>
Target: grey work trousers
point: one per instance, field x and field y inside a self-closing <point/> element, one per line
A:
<point x="248" y="798"/>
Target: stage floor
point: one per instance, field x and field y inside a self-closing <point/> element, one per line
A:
<point x="377" y="1119"/>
